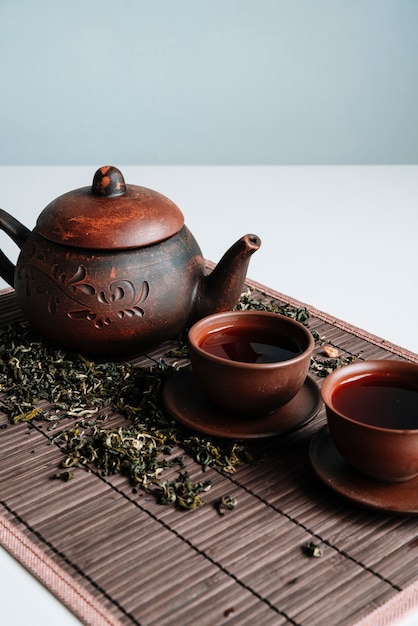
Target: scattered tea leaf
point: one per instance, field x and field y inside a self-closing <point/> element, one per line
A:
<point x="45" y="383"/>
<point x="65" y="476"/>
<point x="326" y="366"/>
<point x="225" y="503"/>
<point x="312" y="549"/>
<point x="247" y="301"/>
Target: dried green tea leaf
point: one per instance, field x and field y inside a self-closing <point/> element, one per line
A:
<point x="312" y="549"/>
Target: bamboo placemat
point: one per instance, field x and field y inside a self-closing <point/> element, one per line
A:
<point x="114" y="555"/>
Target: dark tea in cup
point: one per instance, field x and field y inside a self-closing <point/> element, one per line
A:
<point x="372" y="413"/>
<point x="249" y="362"/>
<point x="379" y="401"/>
<point x="250" y="345"/>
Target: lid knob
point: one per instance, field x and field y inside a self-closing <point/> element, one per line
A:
<point x="108" y="181"/>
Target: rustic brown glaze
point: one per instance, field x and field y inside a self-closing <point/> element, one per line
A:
<point x="110" y="215"/>
<point x="244" y="388"/>
<point x="340" y="476"/>
<point x="385" y="454"/>
<point x="112" y="269"/>
<point x="184" y="401"/>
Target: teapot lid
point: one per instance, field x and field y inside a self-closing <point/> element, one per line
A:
<point x="110" y="215"/>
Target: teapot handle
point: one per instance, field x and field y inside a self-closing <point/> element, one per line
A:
<point x="19" y="233"/>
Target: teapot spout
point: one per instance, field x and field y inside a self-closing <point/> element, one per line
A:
<point x="221" y="289"/>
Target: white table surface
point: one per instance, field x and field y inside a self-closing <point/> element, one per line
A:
<point x="342" y="239"/>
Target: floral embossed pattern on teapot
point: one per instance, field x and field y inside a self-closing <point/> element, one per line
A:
<point x="112" y="269"/>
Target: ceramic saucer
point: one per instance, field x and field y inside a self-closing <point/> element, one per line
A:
<point x="340" y="476"/>
<point x="188" y="406"/>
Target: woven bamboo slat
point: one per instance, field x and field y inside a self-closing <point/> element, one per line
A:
<point x="133" y="561"/>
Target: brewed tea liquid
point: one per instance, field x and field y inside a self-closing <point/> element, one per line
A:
<point x="379" y="402"/>
<point x="250" y="347"/>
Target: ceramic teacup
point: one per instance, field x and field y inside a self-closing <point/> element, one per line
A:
<point x="372" y="413"/>
<point x="249" y="362"/>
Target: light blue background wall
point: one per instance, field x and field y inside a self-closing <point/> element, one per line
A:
<point x="208" y="81"/>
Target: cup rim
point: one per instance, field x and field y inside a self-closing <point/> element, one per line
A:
<point x="222" y="322"/>
<point x="358" y="370"/>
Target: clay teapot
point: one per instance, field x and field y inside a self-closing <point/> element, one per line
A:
<point x="112" y="269"/>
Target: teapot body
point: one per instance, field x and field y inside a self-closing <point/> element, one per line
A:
<point x="110" y="302"/>
<point x="112" y="269"/>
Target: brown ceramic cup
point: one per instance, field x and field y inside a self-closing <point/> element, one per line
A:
<point x="372" y="413"/>
<point x="249" y="362"/>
